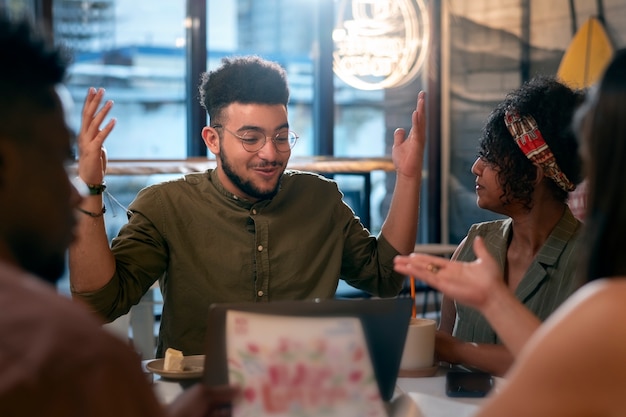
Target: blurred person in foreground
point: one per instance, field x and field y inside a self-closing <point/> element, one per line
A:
<point x="249" y="230"/>
<point x="55" y="359"/>
<point x="527" y="164"/>
<point x="573" y="365"/>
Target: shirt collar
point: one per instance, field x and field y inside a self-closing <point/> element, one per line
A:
<point x="242" y="202"/>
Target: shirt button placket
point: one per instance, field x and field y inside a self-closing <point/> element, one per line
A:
<point x="260" y="292"/>
<point x="262" y="271"/>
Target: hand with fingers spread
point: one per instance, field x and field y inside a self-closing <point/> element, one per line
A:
<point x="408" y="151"/>
<point x="400" y="225"/>
<point x="480" y="285"/>
<point x="90" y="258"/>
<point x="470" y="283"/>
<point x="91" y="153"/>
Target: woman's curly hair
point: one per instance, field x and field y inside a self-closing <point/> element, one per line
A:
<point x="552" y="105"/>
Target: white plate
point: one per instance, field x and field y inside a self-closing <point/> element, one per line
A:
<point x="193" y="367"/>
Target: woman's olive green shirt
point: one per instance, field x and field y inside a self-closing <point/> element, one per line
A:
<point x="206" y="246"/>
<point x="549" y="280"/>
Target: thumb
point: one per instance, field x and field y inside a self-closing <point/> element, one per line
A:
<point x="483" y="256"/>
<point x="105" y="159"/>
<point x="398" y="136"/>
<point x="480" y="249"/>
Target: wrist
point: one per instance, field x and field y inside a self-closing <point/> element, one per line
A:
<point x="415" y="177"/>
<point x="497" y="301"/>
<point x="465" y="351"/>
<point x="86" y="189"/>
<point x="96" y="189"/>
<point x="91" y="213"/>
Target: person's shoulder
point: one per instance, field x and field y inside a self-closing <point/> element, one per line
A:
<point x="298" y="175"/>
<point x="28" y="297"/>
<point x="577" y="357"/>
<point x="591" y="314"/>
<point x="162" y="186"/>
<point x="494" y="233"/>
<point x="190" y="179"/>
<point x="57" y="355"/>
<point x="47" y="329"/>
<point x="602" y="298"/>
<point x="193" y="178"/>
<point x="490" y="224"/>
<point x="306" y="178"/>
<point x="487" y="228"/>
<point x="173" y="188"/>
<point x="586" y="332"/>
<point x="569" y="218"/>
<point x="569" y="227"/>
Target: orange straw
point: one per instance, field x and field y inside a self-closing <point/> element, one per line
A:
<point x="414" y="310"/>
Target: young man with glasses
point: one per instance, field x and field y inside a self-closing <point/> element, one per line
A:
<point x="248" y="230"/>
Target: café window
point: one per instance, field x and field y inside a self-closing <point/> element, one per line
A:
<point x="138" y="54"/>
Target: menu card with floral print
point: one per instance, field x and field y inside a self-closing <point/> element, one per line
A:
<point x="300" y="366"/>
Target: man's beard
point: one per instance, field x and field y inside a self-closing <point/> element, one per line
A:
<point x="246" y="186"/>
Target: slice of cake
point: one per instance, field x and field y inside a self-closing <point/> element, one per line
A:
<point x="173" y="360"/>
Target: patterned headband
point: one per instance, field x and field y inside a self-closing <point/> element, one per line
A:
<point x="529" y="139"/>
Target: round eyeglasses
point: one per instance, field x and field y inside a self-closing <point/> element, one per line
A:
<point x="253" y="140"/>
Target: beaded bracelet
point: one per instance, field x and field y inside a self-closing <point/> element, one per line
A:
<point x="89" y="189"/>
<point x="96" y="189"/>
<point x="91" y="213"/>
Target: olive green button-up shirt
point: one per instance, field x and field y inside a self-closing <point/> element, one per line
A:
<point x="207" y="246"/>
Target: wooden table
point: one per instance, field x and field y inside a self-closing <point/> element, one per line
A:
<point x="427" y="393"/>
<point x="319" y="164"/>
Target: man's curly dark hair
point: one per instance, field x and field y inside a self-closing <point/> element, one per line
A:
<point x="247" y="79"/>
<point x="552" y="105"/>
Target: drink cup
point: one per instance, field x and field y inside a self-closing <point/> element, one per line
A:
<point x="419" y="348"/>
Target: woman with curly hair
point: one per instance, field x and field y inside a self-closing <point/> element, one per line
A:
<point x="527" y="164"/>
<point x="573" y="365"/>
